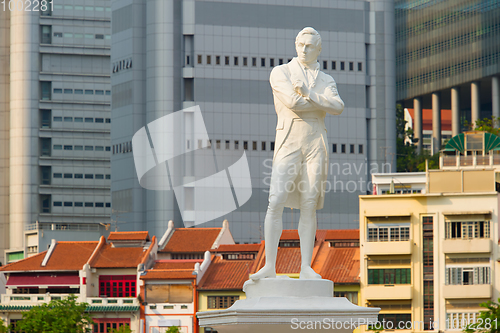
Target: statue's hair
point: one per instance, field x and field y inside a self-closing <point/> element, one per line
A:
<point x="309" y="31"/>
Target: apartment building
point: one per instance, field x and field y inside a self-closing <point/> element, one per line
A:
<point x="55" y="123"/>
<point x="430" y="257"/>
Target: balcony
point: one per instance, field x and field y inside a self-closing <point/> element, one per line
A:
<point x="31" y="299"/>
<point x="467" y="291"/>
<point x="112" y="301"/>
<point x="388" y="292"/>
<point x="388" y="248"/>
<point x="478" y="245"/>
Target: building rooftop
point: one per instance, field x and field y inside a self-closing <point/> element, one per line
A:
<point x="128" y="235"/>
<point x="118" y="257"/>
<point x="191" y="240"/>
<point x="226" y="274"/>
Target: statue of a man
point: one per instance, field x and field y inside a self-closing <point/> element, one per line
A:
<point x="303" y="95"/>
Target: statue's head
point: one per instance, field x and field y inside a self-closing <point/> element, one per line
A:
<point x="308" y="45"/>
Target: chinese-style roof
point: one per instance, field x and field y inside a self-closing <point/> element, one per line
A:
<point x="288" y="260"/>
<point x="113" y="308"/>
<point x="128" y="235"/>
<point x="118" y="257"/>
<point x="67" y="256"/>
<point x="238" y="248"/>
<point x="191" y="240"/>
<point x="176" y="264"/>
<point x="178" y="274"/>
<point x="342" y="265"/>
<point x="427" y="119"/>
<point x="290" y="235"/>
<point x="342" y="234"/>
<point x="226" y="274"/>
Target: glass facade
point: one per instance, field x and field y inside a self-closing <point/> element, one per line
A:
<point x="441" y="44"/>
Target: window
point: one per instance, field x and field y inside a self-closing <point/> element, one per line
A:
<point x="342" y="65"/>
<point x="325" y="64"/>
<point x="254" y="145"/>
<point x="99" y="148"/>
<point x="254" y="62"/>
<point x="360" y="67"/>
<point x="58" y="91"/>
<point x="467" y="275"/>
<point x="99" y="92"/>
<point x="68" y="119"/>
<point x="57" y="175"/>
<point x="78" y="120"/>
<point x="245" y="61"/>
<point x="351" y="65"/>
<point x="217" y="60"/>
<point x="200" y="59"/>
<point x="459" y="321"/>
<point x="263" y="145"/>
<point x="68" y="175"/>
<point x="78" y="91"/>
<point x="57" y="147"/>
<point x="45" y="117"/>
<point x="236" y="61"/>
<point x="68" y="204"/>
<point x="389" y="276"/>
<point x="89" y="148"/>
<point x="227" y="144"/>
<point x="271" y="62"/>
<point x="226" y="60"/>
<point x="68" y="91"/>
<point x="352" y="296"/>
<point x="78" y="147"/>
<point x="209" y="60"/>
<point x="45" y="147"/>
<point x="99" y="176"/>
<point x="360" y="149"/>
<point x="45" y="89"/>
<point x="342" y="148"/>
<point x="236" y="145"/>
<point x="396" y="320"/>
<point x="78" y="175"/>
<point x="45" y="172"/>
<point x="272" y="145"/>
<point x="104" y="325"/>
<point x="334" y="148"/>
<point x="45" y="203"/>
<point x="89" y="204"/>
<point x="68" y="147"/>
<point x="385" y="233"/>
<point x="221" y="302"/>
<point x="467" y="230"/>
<point x="99" y="204"/>
<point x="89" y="176"/>
<point x="57" y="119"/>
<point x="117" y="285"/>
<point x="89" y="92"/>
<point x="351" y="149"/>
<point x="99" y="36"/>
<point x="334" y="65"/>
<point x="57" y="203"/>
<point x="46" y="34"/>
<point x="245" y="145"/>
<point x="262" y="62"/>
<point x="217" y="144"/>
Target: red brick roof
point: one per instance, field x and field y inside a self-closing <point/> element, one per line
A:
<point x="237" y="248"/>
<point x="342" y="234"/>
<point x="118" y="257"/>
<point x="427" y="119"/>
<point x="128" y="235"/>
<point x="191" y="240"/>
<point x="290" y="235"/>
<point x="342" y="265"/>
<point x="226" y="274"/>
<point x="67" y="256"/>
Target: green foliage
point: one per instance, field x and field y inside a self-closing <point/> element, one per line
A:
<point x="122" y="329"/>
<point x="408" y="160"/>
<point x="3" y="328"/>
<point x="58" y="316"/>
<point x="490" y="125"/>
<point x="173" y="329"/>
<point x="488" y="319"/>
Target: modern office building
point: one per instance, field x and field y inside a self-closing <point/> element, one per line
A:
<point x="448" y="57"/>
<point x="429" y="256"/>
<point x="170" y="55"/>
<point x="55" y="97"/>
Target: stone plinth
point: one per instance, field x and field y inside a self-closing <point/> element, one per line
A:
<point x="285" y="305"/>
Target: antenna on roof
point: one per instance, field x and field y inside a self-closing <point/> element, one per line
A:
<point x="115" y="220"/>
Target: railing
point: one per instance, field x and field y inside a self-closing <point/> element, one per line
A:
<point x="61" y="226"/>
<point x="30" y="299"/>
<point x="127" y="301"/>
<point x="469" y="161"/>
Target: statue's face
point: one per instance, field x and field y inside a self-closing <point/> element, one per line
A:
<point x="307" y="51"/>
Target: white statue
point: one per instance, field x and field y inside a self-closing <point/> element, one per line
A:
<point x="303" y="95"/>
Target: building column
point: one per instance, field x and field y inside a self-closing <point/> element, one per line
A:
<point x="417" y="118"/>
<point x="436" y="122"/>
<point x="455" y="111"/>
<point x="495" y="96"/>
<point x="475" y="107"/>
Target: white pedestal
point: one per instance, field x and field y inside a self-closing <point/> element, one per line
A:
<point x="287" y="305"/>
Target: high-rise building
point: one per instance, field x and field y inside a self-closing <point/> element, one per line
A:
<point x="169" y="55"/>
<point x="55" y="97"/>
<point x="448" y="57"/>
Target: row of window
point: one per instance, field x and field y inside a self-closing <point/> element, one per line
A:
<point x="82" y="204"/>
<point x="80" y="147"/>
<point x="122" y="64"/>
<point x="46" y="35"/>
<point x="82" y="91"/>
<point x="81" y="120"/>
<point x="80" y="176"/>
<point x="253" y="61"/>
<point x="86" y="8"/>
<point x="467" y="230"/>
<point x="467" y="275"/>
<point x="388" y="233"/>
<point x="122" y="148"/>
<point x="389" y="276"/>
<point x="221" y="302"/>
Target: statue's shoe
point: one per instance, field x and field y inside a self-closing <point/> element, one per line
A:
<point x="308" y="273"/>
<point x="264" y="272"/>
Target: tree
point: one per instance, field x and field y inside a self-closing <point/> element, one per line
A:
<point x="488" y="320"/>
<point x="122" y="329"/>
<point x="3" y="328"/>
<point x="58" y="316"/>
<point x="490" y="125"/>
<point x="173" y="329"/>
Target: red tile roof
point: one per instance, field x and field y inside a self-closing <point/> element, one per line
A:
<point x="225" y="274"/>
<point x="191" y="240"/>
<point x="427" y="119"/>
<point x="118" y="257"/>
<point x="176" y="264"/>
<point x="180" y="274"/>
<point x="342" y="234"/>
<point x="128" y="235"/>
<point x="67" y="256"/>
<point x="287" y="262"/>
<point x="237" y="248"/>
<point x="290" y="235"/>
<point x="342" y="265"/>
